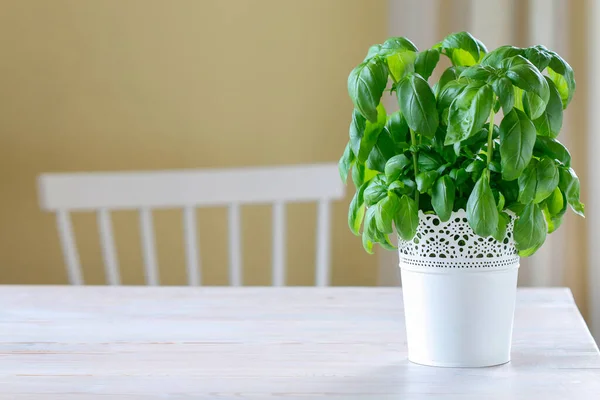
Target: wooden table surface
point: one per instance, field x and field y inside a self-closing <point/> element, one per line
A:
<point x="60" y="342"/>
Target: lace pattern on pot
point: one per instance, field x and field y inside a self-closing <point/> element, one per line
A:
<point x="453" y="244"/>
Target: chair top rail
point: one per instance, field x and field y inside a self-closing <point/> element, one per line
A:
<point x="85" y="191"/>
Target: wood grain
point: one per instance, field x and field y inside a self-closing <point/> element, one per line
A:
<point x="70" y="342"/>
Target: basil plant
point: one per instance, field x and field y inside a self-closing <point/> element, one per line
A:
<point x="482" y="138"/>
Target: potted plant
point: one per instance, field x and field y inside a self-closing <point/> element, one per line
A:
<point x="468" y="173"/>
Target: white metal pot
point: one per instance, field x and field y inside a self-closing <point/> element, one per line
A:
<point x="459" y="293"/>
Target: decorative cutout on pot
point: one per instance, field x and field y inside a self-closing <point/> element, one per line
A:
<point x="453" y="244"/>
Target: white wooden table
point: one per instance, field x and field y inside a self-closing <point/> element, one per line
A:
<point x="261" y="343"/>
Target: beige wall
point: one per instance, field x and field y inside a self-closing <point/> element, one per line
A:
<point x="137" y="84"/>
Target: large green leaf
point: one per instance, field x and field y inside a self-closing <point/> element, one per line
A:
<point x="364" y="134"/>
<point x="468" y="112"/>
<point x="539" y="56"/>
<point x="552" y="148"/>
<point x="356" y="210"/>
<point x="397" y="127"/>
<point x="425" y="180"/>
<point x="538" y="181"/>
<point x="395" y="166"/>
<point x="401" y="54"/>
<point x="482" y="213"/>
<point x="407" y="218"/>
<point x="366" y="84"/>
<point x="533" y="105"/>
<point x="442" y="197"/>
<point x="495" y="57"/>
<point x="426" y="62"/>
<point x="384" y="149"/>
<point x="450" y="92"/>
<point x="478" y="72"/>
<point x="449" y="74"/>
<point x="417" y="104"/>
<point x="429" y="160"/>
<point x="386" y="211"/>
<point x="526" y="76"/>
<point x="530" y="228"/>
<point x="569" y="185"/>
<point x="550" y="122"/>
<point x="345" y="163"/>
<point x="463" y="48"/>
<point x="517" y="138"/>
<point x="503" y="221"/>
<point x="375" y="192"/>
<point x="373" y="51"/>
<point x="506" y="94"/>
<point x="554" y="207"/>
<point x="561" y="73"/>
<point x="369" y="228"/>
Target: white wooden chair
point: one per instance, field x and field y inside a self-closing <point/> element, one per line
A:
<point x="63" y="193"/>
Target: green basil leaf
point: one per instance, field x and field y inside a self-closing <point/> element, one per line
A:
<point x="407" y="218"/>
<point x="501" y="201"/>
<point x="545" y="146"/>
<point x="397" y="127"/>
<point x="504" y="89"/>
<point x="475" y="168"/>
<point x="404" y="186"/>
<point x="385" y="213"/>
<point x="517" y="138"/>
<point x="373" y="51"/>
<point x="526" y="76"/>
<point x="369" y="230"/>
<point x="425" y="180"/>
<point x="364" y="134"/>
<point x="569" y="185"/>
<point x="550" y="121"/>
<point x="395" y="165"/>
<point x="362" y="174"/>
<point x="554" y="207"/>
<point x="358" y="175"/>
<point x="426" y="62"/>
<point x="533" y="105"/>
<point x="538" y="181"/>
<point x="450" y="92"/>
<point x="494" y="166"/>
<point x="356" y="210"/>
<point x="539" y="56"/>
<point x="374" y="193"/>
<point x="495" y="57"/>
<point x="553" y="223"/>
<point x="530" y="228"/>
<point x="468" y="112"/>
<point x="482" y="213"/>
<point x="478" y="72"/>
<point x="401" y="54"/>
<point x="510" y="189"/>
<point x="547" y="179"/>
<point x="382" y="151"/>
<point x="459" y="175"/>
<point x="503" y="220"/>
<point x="442" y="197"/>
<point x="345" y="163"/>
<point x="463" y="48"/>
<point x="529" y="252"/>
<point x="428" y="161"/>
<point x="561" y="73"/>
<point x="417" y="103"/>
<point x="556" y="203"/>
<point x="449" y="74"/>
<point x="366" y="84"/>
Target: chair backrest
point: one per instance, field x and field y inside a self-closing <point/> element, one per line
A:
<point x="63" y="193"/>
